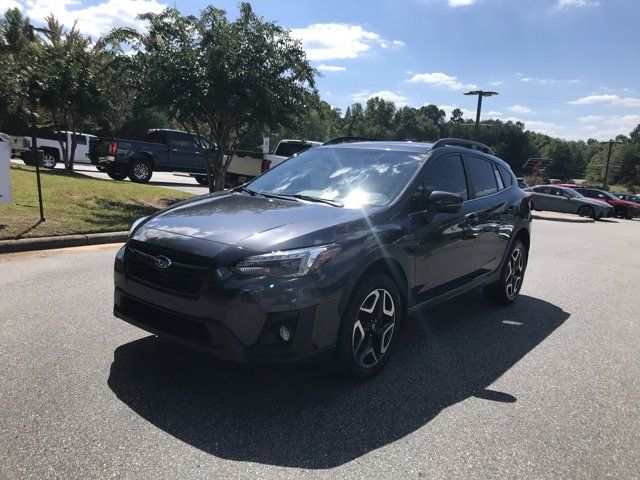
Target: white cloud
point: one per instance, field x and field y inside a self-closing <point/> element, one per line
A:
<point x="7" y="4"/>
<point x="565" y="4"/>
<point x="460" y="3"/>
<point x="606" y="127"/>
<point x="440" y="79"/>
<point x="496" y="83"/>
<point x="327" y="41"/>
<point x="94" y="20"/>
<point x="330" y="68"/>
<point x="614" y="100"/>
<point x="591" y="118"/>
<point x="395" y="97"/>
<point x="520" y="109"/>
<point x="547" y="81"/>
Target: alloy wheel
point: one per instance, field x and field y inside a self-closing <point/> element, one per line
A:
<point x="141" y="171"/>
<point x="515" y="273"/>
<point x="48" y="160"/>
<point x="374" y="328"/>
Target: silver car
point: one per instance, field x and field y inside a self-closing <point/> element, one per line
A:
<point x="553" y="198"/>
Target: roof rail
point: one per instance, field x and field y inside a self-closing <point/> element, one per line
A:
<point x="462" y="143"/>
<point x="337" y="140"/>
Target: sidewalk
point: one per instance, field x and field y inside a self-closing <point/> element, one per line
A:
<point x="560" y="217"/>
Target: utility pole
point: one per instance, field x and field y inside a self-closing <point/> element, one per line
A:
<point x="605" y="183"/>
<point x="480" y="94"/>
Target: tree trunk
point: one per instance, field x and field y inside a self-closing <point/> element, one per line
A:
<point x="207" y="169"/>
<point x="218" y="169"/>
<point x="72" y="155"/>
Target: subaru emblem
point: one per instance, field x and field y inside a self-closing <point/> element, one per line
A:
<point x="162" y="262"/>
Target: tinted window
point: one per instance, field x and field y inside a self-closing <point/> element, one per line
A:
<point x="482" y="176"/>
<point x="157" y="137"/>
<point x="81" y="140"/>
<point x="290" y="149"/>
<point x="182" y="139"/>
<point x="446" y="175"/>
<point x="498" y="177"/>
<point x="507" y="178"/>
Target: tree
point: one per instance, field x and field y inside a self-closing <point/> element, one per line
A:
<point x="410" y="124"/>
<point x="378" y="118"/>
<point x="77" y="81"/>
<point x="220" y="79"/>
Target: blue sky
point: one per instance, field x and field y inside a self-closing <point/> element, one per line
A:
<point x="568" y="68"/>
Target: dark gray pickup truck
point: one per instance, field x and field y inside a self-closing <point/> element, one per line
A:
<point x="166" y="151"/>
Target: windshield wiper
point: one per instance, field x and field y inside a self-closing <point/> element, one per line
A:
<point x="333" y="203"/>
<point x="242" y="188"/>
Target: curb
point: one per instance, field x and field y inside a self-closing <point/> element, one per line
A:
<point x="62" y="241"/>
<point x="564" y="219"/>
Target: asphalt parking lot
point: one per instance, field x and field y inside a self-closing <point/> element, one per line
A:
<point x="546" y="388"/>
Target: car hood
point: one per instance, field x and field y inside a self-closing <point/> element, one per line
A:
<point x="256" y="223"/>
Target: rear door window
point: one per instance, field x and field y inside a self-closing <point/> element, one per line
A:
<point x="482" y="175"/>
<point x="182" y="140"/>
<point x="507" y="178"/>
<point x="157" y="137"/>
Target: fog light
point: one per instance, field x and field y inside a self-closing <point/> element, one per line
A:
<point x="285" y="333"/>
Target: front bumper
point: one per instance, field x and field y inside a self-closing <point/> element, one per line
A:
<point x="235" y="317"/>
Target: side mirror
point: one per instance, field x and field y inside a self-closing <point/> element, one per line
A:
<point x="444" y="202"/>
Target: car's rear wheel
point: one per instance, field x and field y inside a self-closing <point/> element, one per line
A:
<point x="140" y="171"/>
<point x="116" y="173"/>
<point x="587" y="211"/>
<point x="201" y="179"/>
<point x="369" y="327"/>
<point x="620" y="212"/>
<point x="507" y="288"/>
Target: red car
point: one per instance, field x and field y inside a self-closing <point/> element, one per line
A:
<point x="622" y="208"/>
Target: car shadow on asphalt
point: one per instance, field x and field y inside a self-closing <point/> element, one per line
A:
<point x="306" y="415"/>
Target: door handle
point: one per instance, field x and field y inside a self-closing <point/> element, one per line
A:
<point x="470" y="226"/>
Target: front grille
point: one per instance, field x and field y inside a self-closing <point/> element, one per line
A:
<point x="179" y="278"/>
<point x="164" y="321"/>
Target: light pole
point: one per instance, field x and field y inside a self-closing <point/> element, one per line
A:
<point x="605" y="183"/>
<point x="34" y="125"/>
<point x="480" y="94"/>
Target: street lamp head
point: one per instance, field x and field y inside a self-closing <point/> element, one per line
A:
<point x="481" y="92"/>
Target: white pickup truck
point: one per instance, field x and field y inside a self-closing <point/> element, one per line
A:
<point x="286" y="149"/>
<point x="49" y="144"/>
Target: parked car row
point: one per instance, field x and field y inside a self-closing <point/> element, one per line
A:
<point x="579" y="200"/>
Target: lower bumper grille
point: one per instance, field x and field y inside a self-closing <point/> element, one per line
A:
<point x="163" y="321"/>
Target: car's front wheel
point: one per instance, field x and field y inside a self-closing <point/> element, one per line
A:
<point x="587" y="211"/>
<point x="370" y="326"/>
<point x="506" y="289"/>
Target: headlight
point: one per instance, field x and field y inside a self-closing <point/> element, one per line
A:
<point x="287" y="263"/>
<point x="136" y="223"/>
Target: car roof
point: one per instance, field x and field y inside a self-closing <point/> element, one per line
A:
<point x="415" y="147"/>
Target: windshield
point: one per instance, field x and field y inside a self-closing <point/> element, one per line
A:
<point x="351" y="176"/>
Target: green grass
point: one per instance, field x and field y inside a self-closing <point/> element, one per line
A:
<point x="74" y="203"/>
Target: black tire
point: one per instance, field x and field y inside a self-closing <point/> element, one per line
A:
<point x="366" y="339"/>
<point x="116" y="173"/>
<point x="620" y="212"/>
<point x="201" y="179"/>
<point x="50" y="158"/>
<point x="140" y="170"/>
<point x="587" y="211"/>
<point x="532" y="206"/>
<point x="507" y="288"/>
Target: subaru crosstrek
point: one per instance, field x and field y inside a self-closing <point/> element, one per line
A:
<point x="328" y="252"/>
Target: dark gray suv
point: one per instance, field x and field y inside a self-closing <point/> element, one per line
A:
<point x="328" y="252"/>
